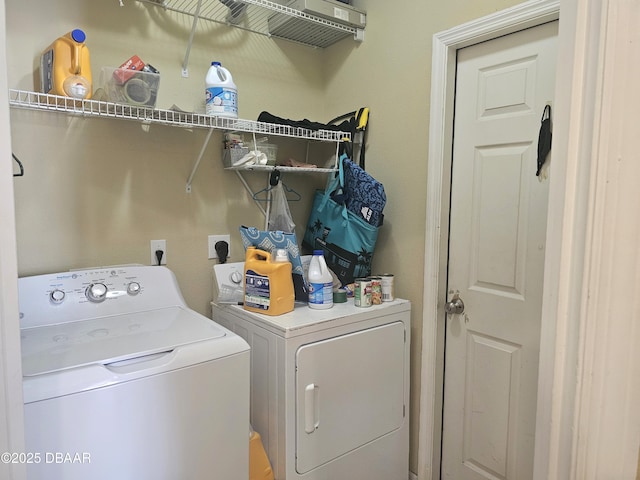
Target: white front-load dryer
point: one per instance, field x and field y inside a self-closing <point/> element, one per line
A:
<point x="329" y="388"/>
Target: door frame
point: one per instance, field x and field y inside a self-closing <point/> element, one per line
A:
<point x="588" y="423"/>
<point x="11" y="404"/>
<point x="443" y="76"/>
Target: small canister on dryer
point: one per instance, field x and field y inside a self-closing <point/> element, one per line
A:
<point x="386" y="285"/>
<point x="362" y="292"/>
<point x="376" y="290"/>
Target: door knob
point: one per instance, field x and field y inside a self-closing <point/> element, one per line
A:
<point x="455" y="306"/>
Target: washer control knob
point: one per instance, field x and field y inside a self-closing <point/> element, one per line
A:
<point x="57" y="296"/>
<point x="133" y="288"/>
<point x="96" y="292"/>
<point x="236" y="277"/>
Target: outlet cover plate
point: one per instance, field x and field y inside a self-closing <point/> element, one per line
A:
<point x="158" y="245"/>
<point x="213" y="239"/>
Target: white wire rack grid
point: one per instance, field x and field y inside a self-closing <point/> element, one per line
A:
<point x="283" y="168"/>
<point x="264" y="17"/>
<point x="95" y="108"/>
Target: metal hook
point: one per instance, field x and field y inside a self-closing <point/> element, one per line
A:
<point x="19" y="165"/>
<point x="274" y="178"/>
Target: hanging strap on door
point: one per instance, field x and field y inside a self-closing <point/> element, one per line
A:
<point x="544" y="138"/>
<point x="19" y="166"/>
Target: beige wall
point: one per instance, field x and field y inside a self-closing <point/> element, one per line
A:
<point x="390" y="72"/>
<point x="96" y="190"/>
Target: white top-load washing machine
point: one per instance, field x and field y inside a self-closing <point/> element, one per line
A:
<point x="329" y="388"/>
<point x="123" y="381"/>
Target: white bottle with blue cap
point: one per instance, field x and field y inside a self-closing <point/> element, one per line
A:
<point x="320" y="282"/>
<point x="221" y="94"/>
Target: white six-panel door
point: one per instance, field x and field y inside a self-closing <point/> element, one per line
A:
<point x="496" y="256"/>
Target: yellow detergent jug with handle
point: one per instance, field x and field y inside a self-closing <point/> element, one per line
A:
<point x="259" y="466"/>
<point x="268" y="285"/>
<point x="65" y="67"/>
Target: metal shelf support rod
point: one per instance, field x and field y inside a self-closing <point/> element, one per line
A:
<point x="185" y="63"/>
<point x="195" y="166"/>
<point x="248" y="189"/>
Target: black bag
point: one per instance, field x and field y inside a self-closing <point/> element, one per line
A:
<point x="352" y="122"/>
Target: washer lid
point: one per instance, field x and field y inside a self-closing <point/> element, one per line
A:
<point x="111" y="339"/>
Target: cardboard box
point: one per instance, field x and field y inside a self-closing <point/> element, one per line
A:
<point x="128" y="69"/>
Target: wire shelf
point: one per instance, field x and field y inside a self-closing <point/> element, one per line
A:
<point x="95" y="108"/>
<point x="266" y="18"/>
<point x="282" y="168"/>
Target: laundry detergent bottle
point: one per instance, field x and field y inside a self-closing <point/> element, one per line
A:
<point x="268" y="284"/>
<point x="221" y="94"/>
<point x="65" y="67"/>
<point x="320" y="282"/>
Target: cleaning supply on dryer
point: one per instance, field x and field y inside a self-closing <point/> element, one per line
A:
<point x="320" y="282"/>
<point x="65" y="67"/>
<point x="221" y="94"/>
<point x="268" y="284"/>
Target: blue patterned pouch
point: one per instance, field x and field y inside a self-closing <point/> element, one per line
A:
<point x="270" y="241"/>
<point x="364" y="195"/>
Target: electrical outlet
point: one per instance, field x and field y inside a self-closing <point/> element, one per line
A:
<point x="158" y="245"/>
<point x="213" y="239"/>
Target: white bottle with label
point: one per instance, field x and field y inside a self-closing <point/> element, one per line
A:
<point x="221" y="94"/>
<point x="320" y="282"/>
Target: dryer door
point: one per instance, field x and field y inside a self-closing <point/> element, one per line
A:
<point x="349" y="391"/>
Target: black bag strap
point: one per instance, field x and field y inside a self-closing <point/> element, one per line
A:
<point x="358" y="121"/>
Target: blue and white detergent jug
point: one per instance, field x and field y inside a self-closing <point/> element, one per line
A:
<point x="221" y="94"/>
<point x="320" y="282"/>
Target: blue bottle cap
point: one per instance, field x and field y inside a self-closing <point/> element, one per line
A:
<point x="318" y="252"/>
<point x="216" y="64"/>
<point x="78" y="35"/>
